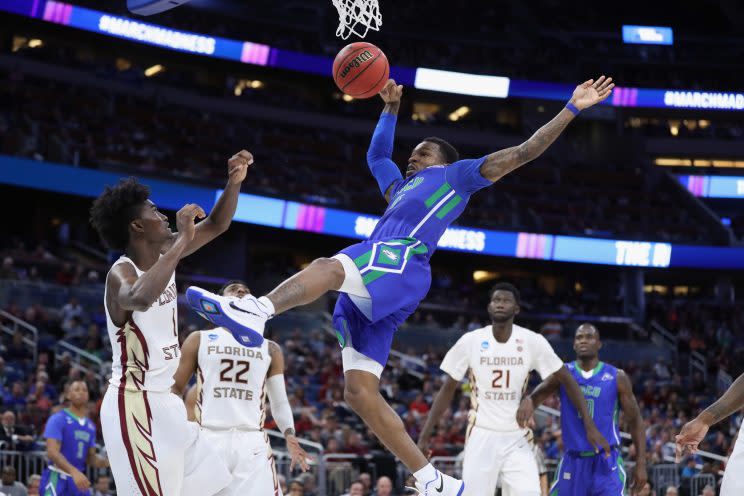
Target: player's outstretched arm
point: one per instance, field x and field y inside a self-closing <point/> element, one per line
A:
<point x="694" y="431"/>
<point x="379" y="155"/>
<point x="442" y="401"/>
<point x="502" y="162"/>
<point x="635" y="425"/>
<point x="527" y="406"/>
<point x="281" y="410"/>
<point x="573" y="391"/>
<point x="220" y="217"/>
<point x="55" y="455"/>
<point x="187" y="365"/>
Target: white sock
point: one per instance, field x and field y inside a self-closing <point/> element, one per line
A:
<point x="426" y="474"/>
<point x="267" y="303"/>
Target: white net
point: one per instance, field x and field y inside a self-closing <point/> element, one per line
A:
<point x="357" y="17"/>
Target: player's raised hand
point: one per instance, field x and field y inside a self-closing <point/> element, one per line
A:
<point x="597" y="440"/>
<point x="689" y="438"/>
<point x="80" y="480"/>
<point x="185" y="220"/>
<point x="391" y="92"/>
<point x="525" y="411"/>
<point x="297" y="454"/>
<point x="237" y="166"/>
<point x="592" y="92"/>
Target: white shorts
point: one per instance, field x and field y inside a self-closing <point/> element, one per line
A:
<point x="154" y="450"/>
<point x="249" y="459"/>
<point x="733" y="477"/>
<point x="491" y="456"/>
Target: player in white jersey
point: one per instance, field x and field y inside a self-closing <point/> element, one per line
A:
<point x="153" y="449"/>
<point x="694" y="432"/>
<point x="499" y="358"/>
<point x="232" y="382"/>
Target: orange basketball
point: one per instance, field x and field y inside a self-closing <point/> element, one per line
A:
<point x="361" y="70"/>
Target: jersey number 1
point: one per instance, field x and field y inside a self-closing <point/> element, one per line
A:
<point x="498" y="375"/>
<point x="228" y="365"/>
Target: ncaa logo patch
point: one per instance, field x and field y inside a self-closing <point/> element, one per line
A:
<point x="484" y="345"/>
<point x="212" y="337"/>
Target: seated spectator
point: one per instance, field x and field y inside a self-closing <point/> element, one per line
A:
<point x="16" y="400"/>
<point x="7" y="270"/>
<point x="32" y="485"/>
<point x="296" y="488"/>
<point x="384" y="487"/>
<point x="671" y="491"/>
<point x="10" y="486"/>
<point x="15" y="437"/>
<point x="356" y="489"/>
<point x="690" y="469"/>
<point x="102" y="486"/>
<point x="282" y="483"/>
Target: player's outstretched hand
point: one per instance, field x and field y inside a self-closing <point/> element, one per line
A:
<point x="525" y="411"/>
<point x="237" y="166"/>
<point x="597" y="440"/>
<point x="592" y="92"/>
<point x="689" y="438"/>
<point x="297" y="454"/>
<point x="80" y="480"/>
<point x="391" y="92"/>
<point x="185" y="220"/>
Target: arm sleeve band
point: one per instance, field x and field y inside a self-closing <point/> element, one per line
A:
<point x="380" y="152"/>
<point x="280" y="408"/>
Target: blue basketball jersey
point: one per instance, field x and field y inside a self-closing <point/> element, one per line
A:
<point x="600" y="391"/>
<point x="424" y="205"/>
<point x="75" y="434"/>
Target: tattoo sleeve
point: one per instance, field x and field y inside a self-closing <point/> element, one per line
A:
<point x="502" y="162"/>
<point x="731" y="401"/>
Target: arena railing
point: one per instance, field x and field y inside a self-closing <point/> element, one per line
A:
<point x="283" y="459"/>
<point x="30" y="333"/>
<point x="100" y="368"/>
<point x="28" y="463"/>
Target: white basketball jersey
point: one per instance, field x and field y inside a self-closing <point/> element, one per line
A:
<point x="499" y="372"/>
<point x="231" y="382"/>
<point x="145" y="349"/>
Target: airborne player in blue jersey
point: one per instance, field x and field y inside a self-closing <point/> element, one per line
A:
<point x="582" y="471"/>
<point x="71" y="447"/>
<point x="383" y="279"/>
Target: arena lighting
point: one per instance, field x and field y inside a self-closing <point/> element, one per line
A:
<point x="461" y="83"/>
<point x="156" y="69"/>
<point x="447" y="81"/>
<point x="648" y="35"/>
<point x="35" y="43"/>
<point x="713" y="186"/>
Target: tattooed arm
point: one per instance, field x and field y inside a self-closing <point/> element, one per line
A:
<point x="502" y="162"/>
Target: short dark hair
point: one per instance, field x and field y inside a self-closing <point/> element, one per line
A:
<point x="448" y="151"/>
<point x="230" y="283"/>
<point x="506" y="286"/>
<point x="115" y="208"/>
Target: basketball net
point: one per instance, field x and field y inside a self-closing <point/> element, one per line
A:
<point x="358" y="17"/>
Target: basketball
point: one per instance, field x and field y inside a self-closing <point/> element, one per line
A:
<point x="361" y="70"/>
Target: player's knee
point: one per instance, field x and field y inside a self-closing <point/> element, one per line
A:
<point x="333" y="269"/>
<point x="356" y="396"/>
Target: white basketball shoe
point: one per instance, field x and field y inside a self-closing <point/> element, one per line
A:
<point x="442" y="485"/>
<point x="244" y="317"/>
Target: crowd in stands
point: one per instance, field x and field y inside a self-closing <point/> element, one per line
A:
<point x="667" y="392"/>
<point x="54" y="121"/>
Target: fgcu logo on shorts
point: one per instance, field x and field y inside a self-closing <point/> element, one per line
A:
<point x="356" y="62"/>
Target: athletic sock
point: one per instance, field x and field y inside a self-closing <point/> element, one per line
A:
<point x="426" y="474"/>
<point x="269" y="306"/>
